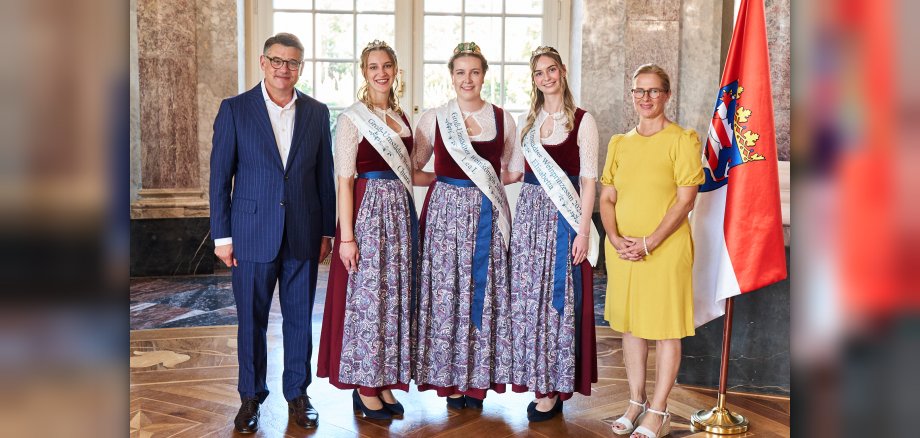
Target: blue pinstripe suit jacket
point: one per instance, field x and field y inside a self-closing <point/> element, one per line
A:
<point x="253" y="197"/>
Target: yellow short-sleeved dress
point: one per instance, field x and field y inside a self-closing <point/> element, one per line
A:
<point x="653" y="298"/>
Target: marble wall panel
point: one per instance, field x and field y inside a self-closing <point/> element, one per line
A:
<point x="575" y="49"/>
<point x="778" y="15"/>
<point x="783" y="123"/>
<point x="134" y="113"/>
<point x="166" y="29"/>
<point x="700" y="43"/>
<point x="169" y="122"/>
<point x="656" y="42"/>
<point x="667" y="10"/>
<point x="602" y="67"/>
<point x="217" y="71"/>
<point x="167" y="77"/>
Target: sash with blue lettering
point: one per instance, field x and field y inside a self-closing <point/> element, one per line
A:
<point x="483" y="176"/>
<point x="562" y="190"/>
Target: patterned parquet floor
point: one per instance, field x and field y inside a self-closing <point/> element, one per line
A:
<point x="183" y="384"/>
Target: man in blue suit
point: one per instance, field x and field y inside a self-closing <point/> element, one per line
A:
<point x="272" y="215"/>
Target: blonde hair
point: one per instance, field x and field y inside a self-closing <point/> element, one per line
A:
<point x="656" y="70"/>
<point x="393" y="97"/>
<point x="537" y="98"/>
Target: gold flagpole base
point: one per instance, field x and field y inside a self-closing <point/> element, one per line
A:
<point x="719" y="420"/>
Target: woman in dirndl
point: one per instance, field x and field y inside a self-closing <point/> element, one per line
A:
<point x="366" y="336"/>
<point x="464" y="326"/>
<point x="552" y="296"/>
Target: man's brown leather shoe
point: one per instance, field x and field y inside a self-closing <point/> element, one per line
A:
<point x="247" y="419"/>
<point x="303" y="412"/>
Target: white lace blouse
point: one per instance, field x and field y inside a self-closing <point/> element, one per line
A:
<point x="347" y="138"/>
<point x="587" y="142"/>
<point x="485" y="117"/>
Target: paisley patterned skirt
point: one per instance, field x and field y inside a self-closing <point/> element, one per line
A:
<point x="554" y="352"/>
<point x="365" y="340"/>
<point x="452" y="355"/>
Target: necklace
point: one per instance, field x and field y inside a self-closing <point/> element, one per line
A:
<point x="556" y="117"/>
<point x="467" y="115"/>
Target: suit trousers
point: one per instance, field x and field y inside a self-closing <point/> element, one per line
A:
<point x="253" y="287"/>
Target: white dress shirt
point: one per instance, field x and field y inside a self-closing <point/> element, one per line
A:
<point x="282" y="120"/>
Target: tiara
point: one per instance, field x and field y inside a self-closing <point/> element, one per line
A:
<point x="469" y="47"/>
<point x="543" y="50"/>
<point x="377" y="44"/>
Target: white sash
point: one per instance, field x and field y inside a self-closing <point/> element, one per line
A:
<point x="478" y="169"/>
<point x="557" y="184"/>
<point x="385" y="141"/>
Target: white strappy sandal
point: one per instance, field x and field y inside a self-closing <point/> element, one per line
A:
<point x="663" y="430"/>
<point x="624" y="420"/>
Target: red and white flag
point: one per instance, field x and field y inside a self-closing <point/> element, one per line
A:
<point x="737" y="222"/>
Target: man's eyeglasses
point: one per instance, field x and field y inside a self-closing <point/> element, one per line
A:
<point x="276" y="63"/>
<point x="653" y="93"/>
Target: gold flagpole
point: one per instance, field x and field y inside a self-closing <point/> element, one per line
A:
<point x="719" y="419"/>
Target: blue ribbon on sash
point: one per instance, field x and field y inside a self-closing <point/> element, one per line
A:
<point x="481" y="250"/>
<point x="413" y="219"/>
<point x="565" y="235"/>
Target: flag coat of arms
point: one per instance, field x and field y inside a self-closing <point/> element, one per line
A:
<point x="737" y="221"/>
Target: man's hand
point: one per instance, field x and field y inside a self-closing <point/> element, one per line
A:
<point x="325" y="247"/>
<point x="225" y="254"/>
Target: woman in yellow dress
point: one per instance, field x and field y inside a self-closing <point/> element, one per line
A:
<point x="650" y="180"/>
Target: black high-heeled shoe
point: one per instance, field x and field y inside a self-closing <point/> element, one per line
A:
<point x="379" y="414"/>
<point x="394" y="408"/>
<point x="456" y="402"/>
<point x="531" y="407"/>
<point x="473" y="402"/>
<point x="537" y="415"/>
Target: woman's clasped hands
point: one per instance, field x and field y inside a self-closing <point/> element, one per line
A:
<point x="634" y="249"/>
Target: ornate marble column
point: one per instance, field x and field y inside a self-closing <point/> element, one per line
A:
<point x="167" y="77"/>
<point x="184" y="62"/>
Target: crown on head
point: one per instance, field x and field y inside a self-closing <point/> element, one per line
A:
<point x="469" y="47"/>
<point x="543" y="50"/>
<point x="377" y="44"/>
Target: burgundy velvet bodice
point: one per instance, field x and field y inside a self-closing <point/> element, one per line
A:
<point x="566" y="154"/>
<point x="444" y="164"/>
